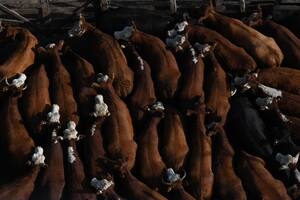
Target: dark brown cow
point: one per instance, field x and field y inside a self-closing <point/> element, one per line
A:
<point x="36" y="100"/>
<point x="199" y="161"/>
<point x="118" y="130"/>
<point x="286" y="79"/>
<point x="227" y="184"/>
<point x="258" y="181"/>
<point x="15" y="143"/>
<point x="216" y="90"/>
<point x="61" y="91"/>
<point x="21" y="188"/>
<point x="143" y="93"/>
<point x="294" y="127"/>
<point x="76" y="181"/>
<point x="286" y="40"/>
<point x="132" y="188"/>
<point x="233" y="58"/>
<point x="51" y="180"/>
<point x="173" y="143"/>
<point x="163" y="64"/>
<point x="104" y="53"/>
<point x="23" y="54"/>
<point x="190" y="86"/>
<point x="149" y="164"/>
<point x="263" y="49"/>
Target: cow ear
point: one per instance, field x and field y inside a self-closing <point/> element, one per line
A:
<point x="133" y="25"/>
<point x="60" y="45"/>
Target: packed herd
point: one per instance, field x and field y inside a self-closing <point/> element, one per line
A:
<point x="211" y="111"/>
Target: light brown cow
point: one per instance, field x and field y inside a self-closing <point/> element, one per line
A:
<point x="233" y="58"/>
<point x="263" y="49"/>
<point x="23" y="54"/>
<point x="118" y="130"/>
<point x="173" y="143"/>
<point x="227" y="184"/>
<point x="104" y="53"/>
<point x="163" y="64"/>
<point x="61" y="91"/>
<point x="36" y="100"/>
<point x="149" y="164"/>
<point x="258" y="181"/>
<point x="199" y="161"/>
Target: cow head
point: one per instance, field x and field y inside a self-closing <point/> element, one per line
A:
<point x="255" y="19"/>
<point x="70" y="133"/>
<point x="118" y="165"/>
<point x="15" y="85"/>
<point x="156" y="109"/>
<point x="245" y="82"/>
<point x="37" y="158"/>
<point x="177" y="43"/>
<point x="102" y="185"/>
<point x="204" y="49"/>
<point x="125" y="34"/>
<point x="100" y="107"/>
<point x="172" y="180"/>
<point x="78" y="28"/>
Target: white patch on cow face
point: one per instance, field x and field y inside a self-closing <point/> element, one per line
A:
<point x="70" y="132"/>
<point x="38" y="157"/>
<point x="77" y="30"/>
<point x="53" y="116"/>
<point x="176" y="42"/>
<point x="172" y="176"/>
<point x="102" y="78"/>
<point x="100" y="107"/>
<point x="19" y="82"/>
<point x="203" y="49"/>
<point x="101" y="185"/>
<point x="51" y="46"/>
<point x="141" y="61"/>
<point x="157" y="106"/>
<point x="286" y="160"/>
<point x="124" y="34"/>
<point x="272" y="92"/>
<point x="284" y="118"/>
<point x="194" y="56"/>
<point x="264" y="103"/>
<point x="178" y="28"/>
<point x="71" y="155"/>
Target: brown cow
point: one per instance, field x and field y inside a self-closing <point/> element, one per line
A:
<point x="173" y="143"/>
<point x="163" y="64"/>
<point x="36" y="100"/>
<point x="173" y="185"/>
<point x="227" y="184"/>
<point x="149" y="164"/>
<point x="286" y="40"/>
<point x="233" y="58"/>
<point x="104" y="53"/>
<point x="23" y="54"/>
<point x="143" y="93"/>
<point x="61" y="91"/>
<point x="199" y="160"/>
<point x="132" y="188"/>
<point x="118" y="130"/>
<point x="263" y="49"/>
<point x="76" y="182"/>
<point x="258" y="181"/>
<point x="190" y="87"/>
<point x="216" y="90"/>
<point x="15" y="143"/>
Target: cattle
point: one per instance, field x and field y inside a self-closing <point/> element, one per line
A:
<point x="36" y="101"/>
<point x="117" y="17"/>
<point x="217" y="92"/>
<point x="173" y="144"/>
<point x="294" y="127"/>
<point x="263" y="49"/>
<point x="227" y="184"/>
<point x="23" y="55"/>
<point x="233" y="59"/>
<point x="118" y="130"/>
<point x="15" y="143"/>
<point x="132" y="188"/>
<point x="61" y="92"/>
<point x="190" y="86"/>
<point x="173" y="185"/>
<point x="165" y="72"/>
<point x="143" y="93"/>
<point x="104" y="53"/>
<point x="286" y="40"/>
<point x="149" y="164"/>
<point x="258" y="181"/>
<point x="247" y="129"/>
<point x="105" y="188"/>
<point x="75" y="177"/>
<point x="286" y="79"/>
<point x="200" y="177"/>
<point x="51" y="180"/>
<point x="22" y="187"/>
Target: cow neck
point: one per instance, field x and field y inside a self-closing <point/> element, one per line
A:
<point x="55" y="59"/>
<point x="138" y="37"/>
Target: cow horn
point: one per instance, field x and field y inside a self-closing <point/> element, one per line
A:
<point x="24" y="88"/>
<point x="6" y="81"/>
<point x="166" y="182"/>
<point x="183" y="176"/>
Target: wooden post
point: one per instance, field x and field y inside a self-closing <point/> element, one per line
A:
<point x="44" y="10"/>
<point x="173" y="6"/>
